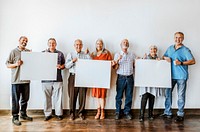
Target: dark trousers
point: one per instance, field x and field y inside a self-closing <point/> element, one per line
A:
<point x="20" y="91"/>
<point x="145" y="97"/>
<point x="73" y="94"/>
<point x="124" y="84"/>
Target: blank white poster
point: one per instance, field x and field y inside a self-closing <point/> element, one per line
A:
<point x="93" y="73"/>
<point x="38" y="66"/>
<point x="152" y="73"/>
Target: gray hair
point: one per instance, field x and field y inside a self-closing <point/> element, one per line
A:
<point x="101" y="40"/>
<point x="122" y="42"/>
<point x="79" y="40"/>
<point x="153" y="46"/>
<point x="52" y="39"/>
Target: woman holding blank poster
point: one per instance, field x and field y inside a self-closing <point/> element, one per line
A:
<point x="149" y="93"/>
<point x="100" y="93"/>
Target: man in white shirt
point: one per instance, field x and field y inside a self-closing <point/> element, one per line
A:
<point x="74" y="91"/>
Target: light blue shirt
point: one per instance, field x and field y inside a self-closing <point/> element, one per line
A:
<point x="70" y="56"/>
<point x="182" y="54"/>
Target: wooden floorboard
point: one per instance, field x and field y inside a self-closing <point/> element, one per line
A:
<point x="190" y="124"/>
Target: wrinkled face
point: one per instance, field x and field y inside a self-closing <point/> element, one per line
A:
<point x="99" y="45"/>
<point x="178" y="38"/>
<point x="153" y="51"/>
<point x="78" y="46"/>
<point x="52" y="45"/>
<point x="23" y="42"/>
<point x="124" y="44"/>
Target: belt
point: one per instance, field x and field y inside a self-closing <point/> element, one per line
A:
<point x="72" y="74"/>
<point x="125" y="75"/>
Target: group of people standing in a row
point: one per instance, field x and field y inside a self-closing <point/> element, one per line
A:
<point x="179" y="55"/>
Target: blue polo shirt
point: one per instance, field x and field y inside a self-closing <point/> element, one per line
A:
<point x="182" y="54"/>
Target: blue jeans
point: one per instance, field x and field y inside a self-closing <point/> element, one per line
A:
<point x="20" y="91"/>
<point x="124" y="83"/>
<point x="181" y="89"/>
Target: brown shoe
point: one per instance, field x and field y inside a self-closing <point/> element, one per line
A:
<point x="72" y="117"/>
<point x="98" y="113"/>
<point x="102" y="114"/>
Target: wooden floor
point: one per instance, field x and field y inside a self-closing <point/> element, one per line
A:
<point x="190" y="124"/>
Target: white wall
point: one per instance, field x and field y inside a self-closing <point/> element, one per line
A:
<point x="143" y="22"/>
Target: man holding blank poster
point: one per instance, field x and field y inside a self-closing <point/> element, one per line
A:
<point x="124" y="63"/>
<point x="180" y="57"/>
<point x="20" y="88"/>
<point x="73" y="92"/>
<point x="53" y="89"/>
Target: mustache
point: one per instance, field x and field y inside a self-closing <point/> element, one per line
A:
<point x="24" y="44"/>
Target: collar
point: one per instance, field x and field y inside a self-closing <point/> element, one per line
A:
<point x="77" y="52"/>
<point x="50" y="51"/>
<point x="151" y="57"/>
<point x="122" y="53"/>
<point x="179" y="47"/>
<point x="20" y="49"/>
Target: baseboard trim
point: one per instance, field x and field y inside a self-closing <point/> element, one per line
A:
<point x="110" y="112"/>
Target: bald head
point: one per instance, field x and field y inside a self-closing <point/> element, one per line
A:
<point x="23" y="40"/>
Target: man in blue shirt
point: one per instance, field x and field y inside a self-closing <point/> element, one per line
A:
<point x="180" y="57"/>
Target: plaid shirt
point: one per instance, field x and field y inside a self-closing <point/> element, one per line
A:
<point x="126" y="64"/>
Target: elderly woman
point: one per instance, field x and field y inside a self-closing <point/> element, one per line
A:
<point x="100" y="93"/>
<point x="149" y="93"/>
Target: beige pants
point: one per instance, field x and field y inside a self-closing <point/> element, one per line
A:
<point x="53" y="91"/>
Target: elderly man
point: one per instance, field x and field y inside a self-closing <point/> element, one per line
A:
<point x="124" y="63"/>
<point x="20" y="88"/>
<point x="180" y="57"/>
<point x="54" y="88"/>
<point x="73" y="92"/>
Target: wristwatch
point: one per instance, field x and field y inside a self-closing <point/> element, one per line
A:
<point x="181" y="63"/>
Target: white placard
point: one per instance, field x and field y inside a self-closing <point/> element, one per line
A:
<point x="93" y="73"/>
<point x="152" y="73"/>
<point x="38" y="66"/>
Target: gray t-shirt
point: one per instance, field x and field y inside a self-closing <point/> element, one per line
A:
<point x="14" y="56"/>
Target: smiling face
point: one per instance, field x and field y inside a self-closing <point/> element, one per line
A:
<point x="99" y="45"/>
<point x="52" y="44"/>
<point x="23" y="42"/>
<point x="178" y="38"/>
<point x="78" y="45"/>
<point x="153" y="51"/>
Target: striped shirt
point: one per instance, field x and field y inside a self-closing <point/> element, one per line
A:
<point x="126" y="64"/>
<point x="72" y="66"/>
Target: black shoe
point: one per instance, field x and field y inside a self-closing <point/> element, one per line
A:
<point x="25" y="117"/>
<point x="46" y="118"/>
<point x="60" y="117"/>
<point x="71" y="117"/>
<point x="166" y="116"/>
<point x="179" y="119"/>
<point x="117" y="116"/>
<point x="150" y="118"/>
<point x="16" y="121"/>
<point x="141" y="119"/>
<point x="81" y="116"/>
<point x="128" y="116"/>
